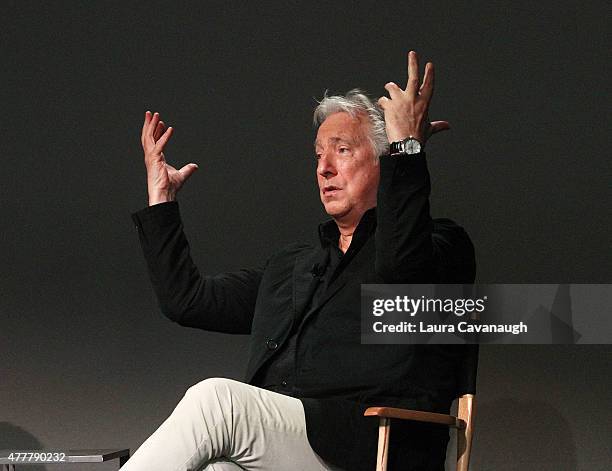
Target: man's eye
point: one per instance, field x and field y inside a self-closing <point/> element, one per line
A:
<point x="343" y="150"/>
<point x="317" y="156"/>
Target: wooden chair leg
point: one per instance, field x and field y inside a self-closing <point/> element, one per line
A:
<point x="384" y="430"/>
<point x="466" y="410"/>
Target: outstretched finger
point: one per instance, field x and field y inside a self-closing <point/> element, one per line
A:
<point x="147" y="120"/>
<point x="161" y="143"/>
<point x="161" y="127"/>
<point x="152" y="126"/>
<point x="427" y="86"/>
<point x="413" y="74"/>
<point x="395" y="92"/>
<point x="437" y="126"/>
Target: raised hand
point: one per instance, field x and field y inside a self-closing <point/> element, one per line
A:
<point x="163" y="180"/>
<point x="406" y="111"/>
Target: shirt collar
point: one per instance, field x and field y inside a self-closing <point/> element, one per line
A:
<point x="329" y="233"/>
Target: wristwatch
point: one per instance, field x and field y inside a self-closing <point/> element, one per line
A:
<point x="408" y="146"/>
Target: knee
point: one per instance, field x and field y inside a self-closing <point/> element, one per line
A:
<point x="209" y="384"/>
<point x="211" y="389"/>
<point x="218" y="397"/>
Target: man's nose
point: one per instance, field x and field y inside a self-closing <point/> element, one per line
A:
<point x="325" y="166"/>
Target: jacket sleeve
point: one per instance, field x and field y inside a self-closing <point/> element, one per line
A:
<point x="221" y="303"/>
<point x="410" y="246"/>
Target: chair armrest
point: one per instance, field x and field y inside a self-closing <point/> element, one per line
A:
<point x="416" y="415"/>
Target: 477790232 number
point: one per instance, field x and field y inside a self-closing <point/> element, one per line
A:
<point x="37" y="457"/>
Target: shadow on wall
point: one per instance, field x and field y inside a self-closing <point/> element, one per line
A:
<point x="16" y="438"/>
<point x="513" y="434"/>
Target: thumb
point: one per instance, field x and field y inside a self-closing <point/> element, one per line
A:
<point x="437" y="126"/>
<point x="187" y="171"/>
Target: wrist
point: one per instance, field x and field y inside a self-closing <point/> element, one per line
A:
<point x="158" y="197"/>
<point x="408" y="146"/>
<point x="401" y="133"/>
<point x="402" y="136"/>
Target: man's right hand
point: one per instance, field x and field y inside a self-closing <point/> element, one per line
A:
<point x="163" y="180"/>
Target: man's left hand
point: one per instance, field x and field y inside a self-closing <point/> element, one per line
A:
<point x="406" y="111"/>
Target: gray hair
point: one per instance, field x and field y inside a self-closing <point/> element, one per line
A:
<point x="356" y="102"/>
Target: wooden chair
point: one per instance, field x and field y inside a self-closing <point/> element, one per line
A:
<point x="464" y="422"/>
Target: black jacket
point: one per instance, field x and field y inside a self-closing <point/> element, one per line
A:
<point x="336" y="376"/>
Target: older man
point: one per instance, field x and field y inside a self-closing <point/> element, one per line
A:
<point x="309" y="378"/>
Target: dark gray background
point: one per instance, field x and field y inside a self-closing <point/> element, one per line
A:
<point x="87" y="360"/>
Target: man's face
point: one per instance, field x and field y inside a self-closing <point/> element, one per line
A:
<point x="347" y="170"/>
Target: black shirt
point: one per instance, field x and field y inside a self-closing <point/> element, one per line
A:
<point x="279" y="374"/>
<point x="336" y="377"/>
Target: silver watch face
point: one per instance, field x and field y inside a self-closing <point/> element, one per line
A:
<point x="412" y="146"/>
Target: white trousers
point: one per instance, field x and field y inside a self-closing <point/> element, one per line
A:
<point x="226" y="425"/>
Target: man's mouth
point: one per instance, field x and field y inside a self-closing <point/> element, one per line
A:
<point x="330" y="190"/>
